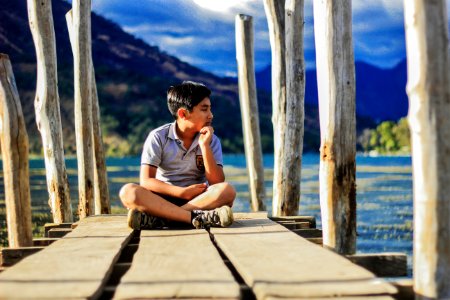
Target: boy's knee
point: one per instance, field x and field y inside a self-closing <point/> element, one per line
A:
<point x="231" y="193"/>
<point x="127" y="194"/>
<point x="228" y="193"/>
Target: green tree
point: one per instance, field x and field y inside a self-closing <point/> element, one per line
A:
<point x="387" y="137"/>
<point x="402" y="135"/>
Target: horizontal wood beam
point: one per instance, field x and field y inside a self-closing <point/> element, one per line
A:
<point x="308" y="232"/>
<point x="42" y="242"/>
<point x="405" y="288"/>
<point x="382" y="264"/>
<point x="11" y="256"/>
<point x="58" y="232"/>
<point x="310" y="219"/>
<point x="49" y="226"/>
<point x="295" y="225"/>
<point x="316" y="240"/>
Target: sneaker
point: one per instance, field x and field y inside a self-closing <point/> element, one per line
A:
<point x="139" y="220"/>
<point x="219" y="217"/>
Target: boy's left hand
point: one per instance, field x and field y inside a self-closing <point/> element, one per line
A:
<point x="206" y="134"/>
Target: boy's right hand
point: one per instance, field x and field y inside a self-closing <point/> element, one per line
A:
<point x="192" y="191"/>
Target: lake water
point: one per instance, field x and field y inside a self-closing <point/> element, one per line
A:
<point x="384" y="195"/>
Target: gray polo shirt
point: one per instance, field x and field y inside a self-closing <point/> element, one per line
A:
<point x="177" y="165"/>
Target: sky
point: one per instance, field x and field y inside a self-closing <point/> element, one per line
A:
<point x="202" y="32"/>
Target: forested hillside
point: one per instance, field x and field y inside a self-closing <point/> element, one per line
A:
<point x="132" y="79"/>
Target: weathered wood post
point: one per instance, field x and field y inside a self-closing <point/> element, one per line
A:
<point x="290" y="166"/>
<point x="336" y="84"/>
<point x="429" y="110"/>
<point x="101" y="191"/>
<point x="83" y="107"/>
<point x="47" y="109"/>
<point x="275" y="18"/>
<point x="249" y="110"/>
<point x="14" y="142"/>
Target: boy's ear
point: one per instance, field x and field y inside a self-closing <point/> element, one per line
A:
<point x="182" y="113"/>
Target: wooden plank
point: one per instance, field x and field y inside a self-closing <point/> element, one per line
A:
<point x="405" y="288"/>
<point x="317" y="241"/>
<point x="49" y="226"/>
<point x="382" y="264"/>
<point x="294" y="224"/>
<point x="310" y="219"/>
<point x="11" y="256"/>
<point x="76" y="266"/>
<point x="342" y="298"/>
<point x="251" y="215"/>
<point x="40" y="242"/>
<point x="308" y="233"/>
<point x="275" y="262"/>
<point x="58" y="232"/>
<point x="177" y="264"/>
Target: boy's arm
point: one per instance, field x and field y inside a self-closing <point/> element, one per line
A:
<point x="214" y="172"/>
<point x="148" y="180"/>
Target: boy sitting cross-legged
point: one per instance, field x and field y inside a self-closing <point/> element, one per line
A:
<point x="181" y="175"/>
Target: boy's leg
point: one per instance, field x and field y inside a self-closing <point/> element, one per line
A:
<point x="134" y="196"/>
<point x="215" y="196"/>
<point x="144" y="205"/>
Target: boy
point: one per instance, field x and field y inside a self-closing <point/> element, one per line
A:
<point x="181" y="175"/>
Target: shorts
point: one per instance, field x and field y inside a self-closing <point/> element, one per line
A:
<point x="175" y="224"/>
<point x="174" y="200"/>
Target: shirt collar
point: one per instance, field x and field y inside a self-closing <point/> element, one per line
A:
<point x="173" y="135"/>
<point x="173" y="132"/>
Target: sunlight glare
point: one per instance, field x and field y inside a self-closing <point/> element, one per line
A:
<point x="216" y="5"/>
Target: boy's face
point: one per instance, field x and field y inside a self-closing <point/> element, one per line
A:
<point x="200" y="116"/>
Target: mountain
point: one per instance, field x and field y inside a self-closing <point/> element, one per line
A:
<point x="132" y="79"/>
<point x="380" y="93"/>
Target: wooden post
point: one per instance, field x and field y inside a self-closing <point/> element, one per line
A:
<point x="14" y="142"/>
<point x="83" y="107"/>
<point x="336" y="85"/>
<point x="429" y="110"/>
<point x="47" y="109"/>
<point x="275" y="18"/>
<point x="249" y="110"/>
<point x="101" y="191"/>
<point x="288" y="202"/>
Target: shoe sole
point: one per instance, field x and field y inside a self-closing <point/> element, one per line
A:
<point x="132" y="219"/>
<point x="226" y="216"/>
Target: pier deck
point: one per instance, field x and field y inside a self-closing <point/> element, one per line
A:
<point x="255" y="257"/>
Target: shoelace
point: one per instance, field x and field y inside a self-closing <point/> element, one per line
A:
<point x="146" y="220"/>
<point x="211" y="217"/>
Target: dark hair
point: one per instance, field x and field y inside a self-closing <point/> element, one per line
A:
<point x="186" y="95"/>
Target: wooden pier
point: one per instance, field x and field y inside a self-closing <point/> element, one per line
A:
<point x="255" y="258"/>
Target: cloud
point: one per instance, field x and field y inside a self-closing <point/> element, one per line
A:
<point x="196" y="32"/>
<point x="178" y="41"/>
